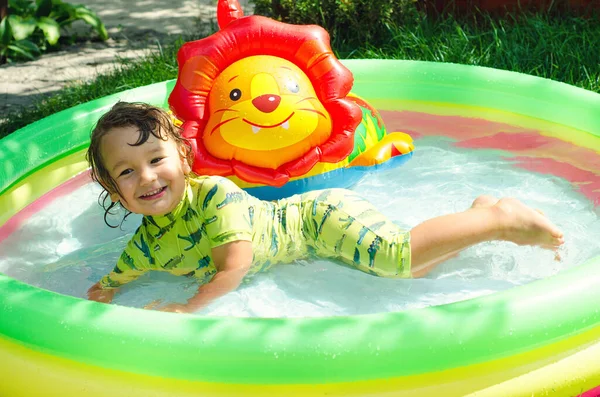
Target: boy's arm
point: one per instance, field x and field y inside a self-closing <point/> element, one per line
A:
<point x="105" y="289"/>
<point x="225" y="209"/>
<point x="232" y="260"/>
<point x="124" y="272"/>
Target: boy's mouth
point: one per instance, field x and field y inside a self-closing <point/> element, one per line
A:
<point x="156" y="193"/>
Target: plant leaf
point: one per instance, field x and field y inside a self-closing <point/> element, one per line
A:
<point x="44" y="8"/>
<point x="21" y="27"/>
<point x="21" y="7"/>
<point x="21" y="51"/>
<point x="28" y="45"/>
<point x="89" y="17"/>
<point x="5" y="32"/>
<point x="50" y="28"/>
<point x="63" y="13"/>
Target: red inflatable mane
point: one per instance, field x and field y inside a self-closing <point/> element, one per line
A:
<point x="200" y="62"/>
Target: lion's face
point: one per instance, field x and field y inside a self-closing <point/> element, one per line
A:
<point x="264" y="112"/>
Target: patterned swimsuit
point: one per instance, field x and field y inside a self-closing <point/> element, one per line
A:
<point x="331" y="223"/>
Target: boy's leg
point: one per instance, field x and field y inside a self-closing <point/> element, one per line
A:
<point x="509" y="220"/>
<point x="348" y="227"/>
<point x="482" y="201"/>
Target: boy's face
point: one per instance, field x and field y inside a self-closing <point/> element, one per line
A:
<point x="151" y="176"/>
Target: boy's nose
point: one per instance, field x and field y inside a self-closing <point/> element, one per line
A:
<point x="147" y="175"/>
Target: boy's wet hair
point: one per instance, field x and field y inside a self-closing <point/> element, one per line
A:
<point x="149" y="120"/>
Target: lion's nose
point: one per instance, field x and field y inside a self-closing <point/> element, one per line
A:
<point x="266" y="103"/>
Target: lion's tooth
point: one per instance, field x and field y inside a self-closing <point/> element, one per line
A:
<point x="255" y="129"/>
<point x="286" y="125"/>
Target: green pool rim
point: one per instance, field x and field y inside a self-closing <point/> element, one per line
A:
<point x="540" y="315"/>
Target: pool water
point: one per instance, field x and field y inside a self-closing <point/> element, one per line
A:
<point x="66" y="247"/>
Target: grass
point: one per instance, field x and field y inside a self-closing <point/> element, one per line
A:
<point x="562" y="48"/>
<point x="558" y="48"/>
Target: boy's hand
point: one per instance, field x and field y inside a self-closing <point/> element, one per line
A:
<point x="177" y="308"/>
<point x="172" y="308"/>
<point x="98" y="294"/>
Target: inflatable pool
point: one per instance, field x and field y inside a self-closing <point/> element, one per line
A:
<point x="539" y="339"/>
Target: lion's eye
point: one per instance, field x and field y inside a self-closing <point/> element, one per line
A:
<point x="235" y="94"/>
<point x="293" y="87"/>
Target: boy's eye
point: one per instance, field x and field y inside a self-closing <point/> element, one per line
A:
<point x="156" y="160"/>
<point x="125" y="172"/>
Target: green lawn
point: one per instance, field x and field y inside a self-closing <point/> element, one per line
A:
<point x="558" y="48"/>
<point x="562" y="48"/>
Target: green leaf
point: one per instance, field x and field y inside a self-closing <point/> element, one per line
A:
<point x="21" y="7"/>
<point x="89" y="17"/>
<point x="28" y="45"/>
<point x="21" y="51"/>
<point x="5" y="32"/>
<point x="50" y="28"/>
<point x="63" y="13"/>
<point x="44" y="8"/>
<point x="21" y="27"/>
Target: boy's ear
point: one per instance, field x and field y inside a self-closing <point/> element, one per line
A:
<point x="185" y="165"/>
<point x="114" y="197"/>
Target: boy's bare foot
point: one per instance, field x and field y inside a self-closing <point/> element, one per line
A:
<point x="523" y="225"/>
<point x="484" y="201"/>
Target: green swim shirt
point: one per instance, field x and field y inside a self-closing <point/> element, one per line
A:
<point x="331" y="223"/>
